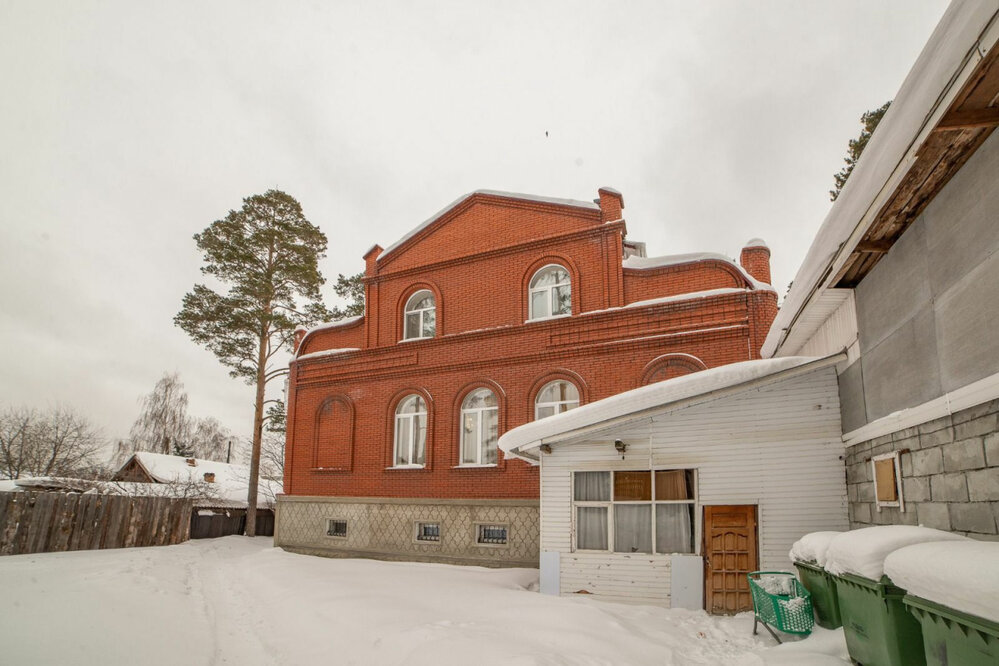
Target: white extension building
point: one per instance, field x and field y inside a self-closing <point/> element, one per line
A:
<point x="668" y="494"/>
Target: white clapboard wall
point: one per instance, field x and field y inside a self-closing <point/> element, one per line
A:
<point x="776" y="446"/>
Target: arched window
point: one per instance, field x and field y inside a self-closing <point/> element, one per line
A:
<point x="550" y="293"/>
<point x="556" y="397"/>
<point x="479" y="428"/>
<point x="420" y="319"/>
<point x="410" y="432"/>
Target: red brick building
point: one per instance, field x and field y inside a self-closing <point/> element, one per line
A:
<point x="499" y="309"/>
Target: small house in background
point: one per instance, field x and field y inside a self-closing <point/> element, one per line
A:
<point x="219" y="490"/>
<point x="668" y="494"/>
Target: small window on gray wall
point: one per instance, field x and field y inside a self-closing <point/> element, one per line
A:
<point x="493" y="535"/>
<point x="428" y="532"/>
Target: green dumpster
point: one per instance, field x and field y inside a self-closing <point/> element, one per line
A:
<point x="879" y="630"/>
<point x="822" y="586"/>
<point x="953" y="638"/>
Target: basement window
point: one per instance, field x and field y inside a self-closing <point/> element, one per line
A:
<point x="336" y="528"/>
<point x="887" y="474"/>
<point x="428" y="532"/>
<point x="491" y="535"/>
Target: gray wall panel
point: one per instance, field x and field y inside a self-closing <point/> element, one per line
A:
<point x="897" y="288"/>
<point x="967" y="322"/>
<point x="853" y="409"/>
<point x="902" y="371"/>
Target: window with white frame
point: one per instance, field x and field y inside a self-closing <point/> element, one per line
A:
<point x="479" y="428"/>
<point x="420" y="318"/>
<point x="410" y="432"/>
<point x="554" y="398"/>
<point x="550" y="293"/>
<point x="634" y="511"/>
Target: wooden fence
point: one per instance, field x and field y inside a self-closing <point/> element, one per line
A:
<point x="45" y="522"/>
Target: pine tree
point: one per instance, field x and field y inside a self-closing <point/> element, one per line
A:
<point x="352" y="289"/>
<point x="267" y="255"/>
<point x="870" y="122"/>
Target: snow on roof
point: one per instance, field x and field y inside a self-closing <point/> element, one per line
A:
<point x="495" y="193"/>
<point x="644" y="263"/>
<point x="202" y="494"/>
<point x="346" y="321"/>
<point x="231" y="481"/>
<point x="917" y="106"/>
<point x="657" y="396"/>
<point x="8" y="485"/>
<point x="328" y="352"/>
<point x="756" y="242"/>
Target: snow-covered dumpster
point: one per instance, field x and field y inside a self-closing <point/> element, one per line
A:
<point x="879" y="629"/>
<point x="953" y="592"/>
<point x="809" y="556"/>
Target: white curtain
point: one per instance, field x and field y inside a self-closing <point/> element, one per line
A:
<point x="591" y="527"/>
<point x="673" y="529"/>
<point x="633" y="528"/>
<point x="592" y="487"/>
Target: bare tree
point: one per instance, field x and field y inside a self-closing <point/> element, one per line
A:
<point x="209" y="439"/>
<point x="55" y="443"/>
<point x="163" y="426"/>
<point x="272" y="455"/>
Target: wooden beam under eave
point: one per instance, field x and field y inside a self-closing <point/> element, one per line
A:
<point x="969" y="119"/>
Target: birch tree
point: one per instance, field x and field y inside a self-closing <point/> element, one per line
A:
<point x="264" y="258"/>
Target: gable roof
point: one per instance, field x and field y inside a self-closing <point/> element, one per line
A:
<point x="572" y="203"/>
<point x="966" y="33"/>
<point x="231" y="481"/>
<point x="655" y="398"/>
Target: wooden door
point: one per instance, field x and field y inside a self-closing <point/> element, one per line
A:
<point x="730" y="552"/>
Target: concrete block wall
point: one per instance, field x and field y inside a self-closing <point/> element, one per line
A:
<point x="950" y="475"/>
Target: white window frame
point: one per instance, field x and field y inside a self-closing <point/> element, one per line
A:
<point x="695" y="527"/>
<point x="550" y="289"/>
<point x="413" y="430"/>
<point x="557" y="404"/>
<point x="895" y="458"/>
<point x="420" y="313"/>
<point x="479" y="445"/>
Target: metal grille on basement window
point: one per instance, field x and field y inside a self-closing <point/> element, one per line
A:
<point x="428" y="532"/>
<point x="336" y="528"/>
<point x="493" y="534"/>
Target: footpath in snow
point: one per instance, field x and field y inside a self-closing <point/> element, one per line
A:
<point x="241" y="601"/>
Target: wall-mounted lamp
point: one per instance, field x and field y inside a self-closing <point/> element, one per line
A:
<point x="546" y="448"/>
<point x="620" y="446"/>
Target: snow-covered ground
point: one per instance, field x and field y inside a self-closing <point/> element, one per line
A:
<point x="241" y="601"/>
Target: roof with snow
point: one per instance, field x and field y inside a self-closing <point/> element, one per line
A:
<point x="231" y="481"/>
<point x="573" y="203"/>
<point x="635" y="262"/>
<point x="920" y="104"/>
<point x="663" y="396"/>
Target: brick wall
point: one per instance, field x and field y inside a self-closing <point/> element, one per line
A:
<point x="478" y="259"/>
<point x="950" y="475"/>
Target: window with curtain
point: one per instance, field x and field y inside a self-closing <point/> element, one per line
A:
<point x="420" y="317"/>
<point x="550" y="293"/>
<point x="479" y="428"/>
<point x="554" y="398"/>
<point x="634" y="511"/>
<point x="410" y="432"/>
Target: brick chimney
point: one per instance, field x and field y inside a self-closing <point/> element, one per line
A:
<point x="611" y="204"/>
<point x="755" y="258"/>
<point x="370" y="258"/>
<point x="299" y="336"/>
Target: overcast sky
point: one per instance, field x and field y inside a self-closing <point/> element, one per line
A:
<point x="126" y="127"/>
